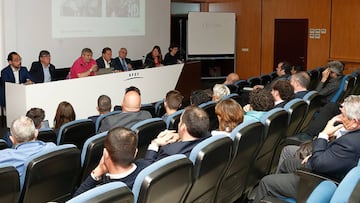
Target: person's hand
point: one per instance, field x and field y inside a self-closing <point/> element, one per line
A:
<point x="330" y="129"/>
<point x="247" y="108"/>
<point x="325" y="75"/>
<point x="258" y="87"/>
<point x="166" y="137"/>
<point x="94" y="68"/>
<point x="101" y="168"/>
<point x="305" y="160"/>
<point x="129" y="66"/>
<point x="28" y="82"/>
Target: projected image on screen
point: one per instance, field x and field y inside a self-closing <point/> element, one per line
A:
<point x="97" y="18"/>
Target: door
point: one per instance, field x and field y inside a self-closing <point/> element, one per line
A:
<point x="290" y="43"/>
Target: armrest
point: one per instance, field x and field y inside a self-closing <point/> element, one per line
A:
<point x="269" y="199"/>
<point x="308" y="182"/>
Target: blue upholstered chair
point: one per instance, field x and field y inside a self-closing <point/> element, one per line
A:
<point x="10" y="184"/>
<point x="173" y="120"/>
<point x="345" y="88"/>
<point x="167" y="180"/>
<point x="91" y="154"/>
<point x="47" y="135"/>
<point x="254" y="81"/>
<point x="110" y="192"/>
<point x="209" y="107"/>
<point x="76" y="132"/>
<point x="313" y="99"/>
<point x="296" y="109"/>
<point x="211" y="158"/>
<point x="3" y="144"/>
<point x="51" y="175"/>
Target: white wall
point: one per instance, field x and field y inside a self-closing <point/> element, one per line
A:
<point x="26" y="28"/>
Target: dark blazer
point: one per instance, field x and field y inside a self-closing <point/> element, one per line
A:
<point x="101" y="64"/>
<point x="171" y="149"/>
<point x="280" y="105"/>
<point x="117" y="63"/>
<point x="7" y="75"/>
<point x="37" y="72"/>
<point x="123" y="119"/>
<point x="336" y="158"/>
<point x="328" y="89"/>
<point x="301" y="94"/>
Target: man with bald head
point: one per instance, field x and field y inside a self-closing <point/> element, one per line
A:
<point x="231" y="79"/>
<point x="130" y="114"/>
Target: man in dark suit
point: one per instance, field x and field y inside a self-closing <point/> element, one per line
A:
<point x="14" y="73"/>
<point x="300" y="82"/>
<point x="193" y="128"/>
<point x="42" y="70"/>
<point x="282" y="92"/>
<point x="130" y="114"/>
<point x="122" y="63"/>
<point x="105" y="60"/>
<point x="333" y="158"/>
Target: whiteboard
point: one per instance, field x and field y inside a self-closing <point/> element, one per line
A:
<point x="211" y="33"/>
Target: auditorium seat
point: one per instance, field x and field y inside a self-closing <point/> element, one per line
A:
<point x="167" y="180"/>
<point x="51" y="175"/>
<point x="76" y="132"/>
<point x="91" y="154"/>
<point x="313" y="99"/>
<point x="173" y="120"/>
<point x="247" y="139"/>
<point x="296" y="109"/>
<point x="47" y="135"/>
<point x="345" y="88"/>
<point x="10" y="184"/>
<point x="159" y="108"/>
<point x="265" y="79"/>
<point x="275" y="127"/>
<point x="110" y="192"/>
<point x="232" y="88"/>
<point x="356" y="89"/>
<point x="254" y="81"/>
<point x="210" y="158"/>
<point x="3" y="144"/>
<point x="209" y="107"/>
<point x="146" y="131"/>
<point x="102" y="117"/>
<point x="273" y="75"/>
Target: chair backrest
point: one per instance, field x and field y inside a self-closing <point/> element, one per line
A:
<point x="102" y="117"/>
<point x="10" y="184"/>
<point x="210" y="157"/>
<point x="313" y="99"/>
<point x="47" y="135"/>
<point x="345" y="88"/>
<point x="296" y="109"/>
<point x="51" y="175"/>
<point x="356" y="88"/>
<point x="173" y="120"/>
<point x="232" y="88"/>
<point x="254" y="81"/>
<point x="209" y="107"/>
<point x="91" y="154"/>
<point x="247" y="139"/>
<point x="240" y="84"/>
<point x="159" y="108"/>
<point x="265" y="79"/>
<point x="146" y="131"/>
<point x="275" y="127"/>
<point x="314" y="79"/>
<point x="273" y="75"/>
<point x="148" y="107"/>
<point x="109" y="192"/>
<point x="76" y="132"/>
<point x="3" y="144"/>
<point x="167" y="180"/>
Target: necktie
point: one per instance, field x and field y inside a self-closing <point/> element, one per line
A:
<point x="124" y="64"/>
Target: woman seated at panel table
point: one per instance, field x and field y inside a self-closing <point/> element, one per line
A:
<point x="230" y="114"/>
<point x="153" y="58"/>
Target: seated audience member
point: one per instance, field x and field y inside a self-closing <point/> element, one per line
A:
<point x="230" y="114"/>
<point x="42" y="70"/>
<point x="117" y="162"/>
<point x="200" y="96"/>
<point x="332" y="158"/>
<point x="172" y="103"/>
<point x="330" y="81"/>
<point x="231" y="79"/>
<point x="220" y="91"/>
<point x="300" y="82"/>
<point x="14" y="72"/>
<point x="130" y="114"/>
<point x="261" y="101"/>
<point x="23" y="136"/>
<point x="84" y="66"/>
<point x="193" y="128"/>
<point x="122" y="63"/>
<point x="103" y="106"/>
<point x="37" y="115"/>
<point x="283" y="73"/>
<point x="105" y="60"/>
<point x="64" y="114"/>
<point x="296" y="69"/>
<point x="153" y="58"/>
<point x="172" y="57"/>
<point x="282" y="91"/>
